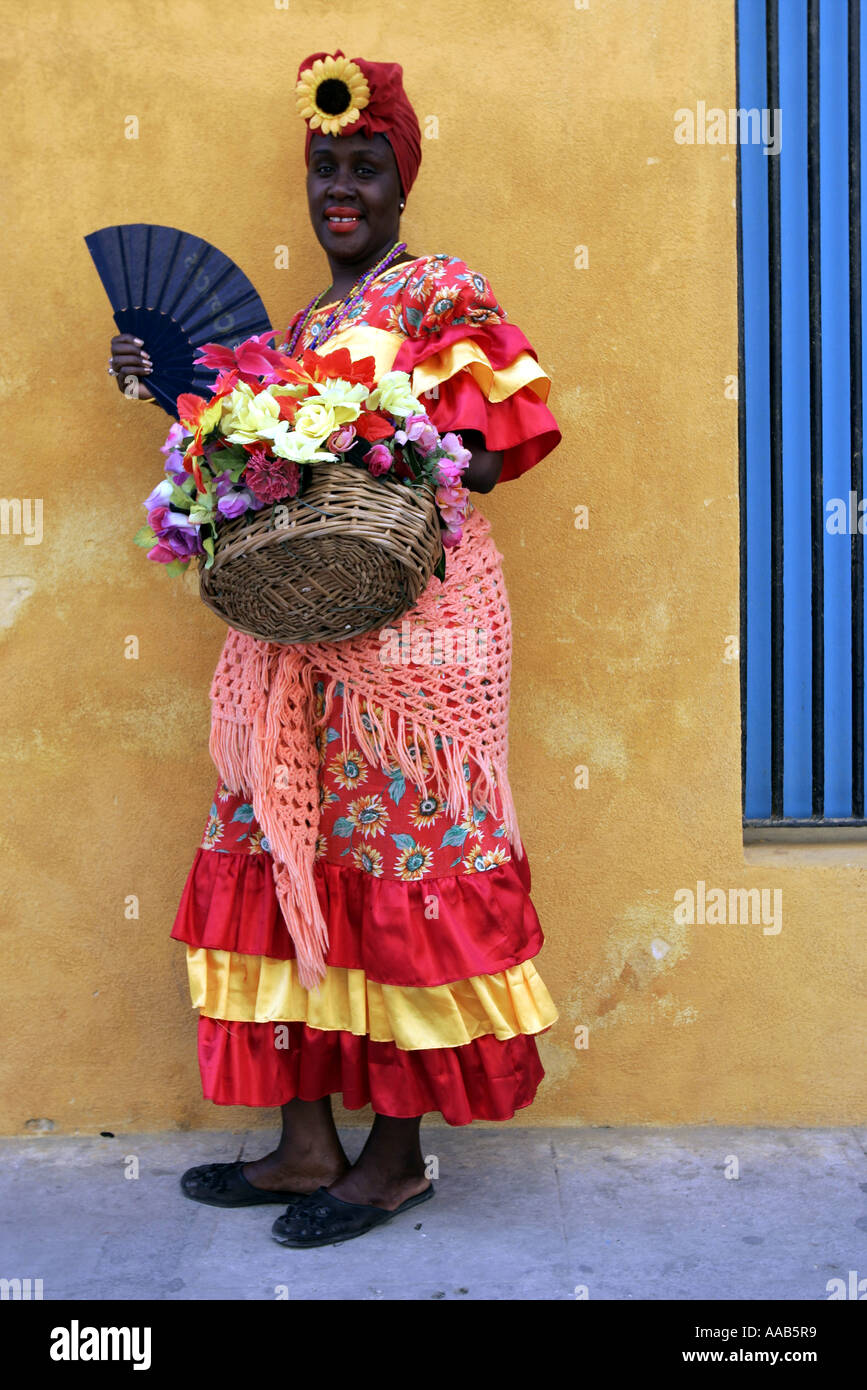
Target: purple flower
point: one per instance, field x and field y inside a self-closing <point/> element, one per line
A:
<point x="174" y="465"/>
<point x="420" y="431"/>
<point x="233" y="499"/>
<point x="232" y="504"/>
<point x="160" y="497"/>
<point x="177" y="537"/>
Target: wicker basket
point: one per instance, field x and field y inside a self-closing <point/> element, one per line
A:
<point x="350" y="555"/>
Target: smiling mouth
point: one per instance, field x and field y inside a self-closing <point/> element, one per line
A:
<point x="342" y="217"/>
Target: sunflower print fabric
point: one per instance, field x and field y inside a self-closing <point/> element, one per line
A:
<point x="420" y="298"/>
<point x="371" y="819"/>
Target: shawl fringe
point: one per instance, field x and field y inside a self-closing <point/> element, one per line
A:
<point x="262" y="724"/>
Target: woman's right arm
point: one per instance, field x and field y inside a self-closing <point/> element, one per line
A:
<point x="131" y="363"/>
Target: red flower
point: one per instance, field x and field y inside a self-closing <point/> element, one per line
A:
<point x="372" y="426"/>
<point x="225" y="383"/>
<point x="190" y="407"/>
<point x="271" y="479"/>
<point x="401" y="467"/>
<point x="325" y="366"/>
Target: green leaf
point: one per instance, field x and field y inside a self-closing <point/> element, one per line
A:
<point x="232" y="460"/>
<point x="455" y="835"/>
<point x="208" y="544"/>
<point x="176" y="566"/>
<point x="144" y="537"/>
<point x="180" y="499"/>
<point x="342" y="827"/>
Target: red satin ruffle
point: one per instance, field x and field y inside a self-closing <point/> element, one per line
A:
<point x="486" y="1079"/>
<point x="521" y="426"/>
<point x="486" y="922"/>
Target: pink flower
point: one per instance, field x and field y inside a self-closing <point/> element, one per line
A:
<point x="271" y="479"/>
<point x="378" y="459"/>
<point x="173" y="439"/>
<point x="452" y="502"/>
<point x="420" y="431"/>
<point x="455" y="449"/>
<point x="341" y="440"/>
<point x="449" y="471"/>
<point x="252" y="357"/>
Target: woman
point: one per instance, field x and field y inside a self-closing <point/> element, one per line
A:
<point x="430" y="1001"/>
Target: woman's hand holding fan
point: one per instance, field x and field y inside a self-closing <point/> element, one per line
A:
<point x="171" y="292"/>
<point x="130" y="362"/>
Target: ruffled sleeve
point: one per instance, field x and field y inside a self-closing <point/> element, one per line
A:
<point x="471" y="368"/>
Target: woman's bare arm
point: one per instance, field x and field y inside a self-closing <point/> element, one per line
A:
<point x="484" y="470"/>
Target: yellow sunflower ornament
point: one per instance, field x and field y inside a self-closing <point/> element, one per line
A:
<point x="332" y="94"/>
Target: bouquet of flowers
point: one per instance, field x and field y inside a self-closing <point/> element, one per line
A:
<point x="270" y="421"/>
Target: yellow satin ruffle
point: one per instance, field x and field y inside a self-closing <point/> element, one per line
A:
<point x="496" y="384"/>
<point x="364" y="341"/>
<point x="260" y="989"/>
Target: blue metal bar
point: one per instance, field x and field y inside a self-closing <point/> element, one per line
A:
<point x="756" y="561"/>
<point x="836" y="444"/>
<point x="795" y="350"/>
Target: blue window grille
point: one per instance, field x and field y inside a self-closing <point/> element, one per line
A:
<point x="800" y="415"/>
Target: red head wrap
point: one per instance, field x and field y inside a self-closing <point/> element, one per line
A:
<point x="368" y="98"/>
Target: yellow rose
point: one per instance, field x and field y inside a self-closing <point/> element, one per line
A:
<point x="345" y="399"/>
<point x="314" y="420"/>
<point x="249" y="417"/>
<point x="394" y="395"/>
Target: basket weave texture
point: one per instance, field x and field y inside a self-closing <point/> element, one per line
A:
<point x="350" y="555"/>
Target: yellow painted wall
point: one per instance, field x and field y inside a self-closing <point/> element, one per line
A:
<point x="555" y="131"/>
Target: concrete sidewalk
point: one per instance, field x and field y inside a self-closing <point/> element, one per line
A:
<point x="519" y="1214"/>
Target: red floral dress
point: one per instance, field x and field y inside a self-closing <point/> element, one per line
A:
<point x="431" y="1000"/>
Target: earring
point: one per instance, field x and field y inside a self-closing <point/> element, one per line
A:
<point x="402" y="206"/>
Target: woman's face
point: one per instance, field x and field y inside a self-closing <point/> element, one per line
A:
<point x="353" y="192"/>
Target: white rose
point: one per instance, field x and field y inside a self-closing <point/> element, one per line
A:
<point x="288" y="444"/>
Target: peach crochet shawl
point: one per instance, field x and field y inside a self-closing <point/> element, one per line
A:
<point x="263" y="730"/>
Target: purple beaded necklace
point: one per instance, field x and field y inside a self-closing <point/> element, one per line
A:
<point x="320" y="332"/>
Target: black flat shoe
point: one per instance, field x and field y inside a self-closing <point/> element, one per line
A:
<point x="323" y="1219"/>
<point x="224" y="1185"/>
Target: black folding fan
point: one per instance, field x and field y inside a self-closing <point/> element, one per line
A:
<point x="176" y="292"/>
